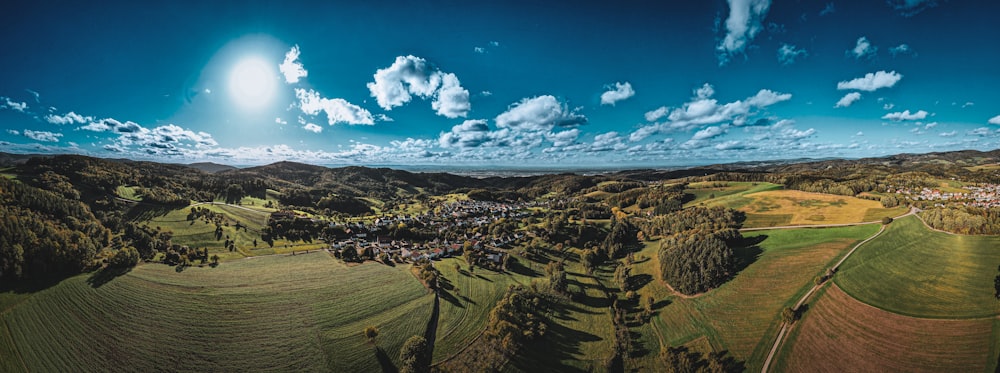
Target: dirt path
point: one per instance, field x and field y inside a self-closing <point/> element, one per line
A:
<point x="785" y="327"/>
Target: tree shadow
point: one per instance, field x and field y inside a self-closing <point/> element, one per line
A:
<point x="30" y="286"/>
<point x="450" y="298"/>
<point x="517" y="267"/>
<point x="384" y="361"/>
<point x="559" y="344"/>
<point x="104" y="276"/>
<point x="747" y="252"/>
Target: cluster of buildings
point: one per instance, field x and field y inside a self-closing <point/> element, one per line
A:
<point x="369" y="239"/>
<point x="983" y="195"/>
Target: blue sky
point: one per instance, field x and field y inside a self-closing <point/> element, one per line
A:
<point x="554" y="84"/>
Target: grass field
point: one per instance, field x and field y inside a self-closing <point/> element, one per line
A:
<point x="743" y="315"/>
<point x="728" y="195"/>
<point x="914" y="271"/>
<point x="840" y="334"/>
<point x="794" y="207"/>
<point x="281" y="313"/>
<point x="202" y="235"/>
<point x="128" y="192"/>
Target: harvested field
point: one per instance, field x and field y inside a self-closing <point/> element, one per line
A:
<point x="841" y="334"/>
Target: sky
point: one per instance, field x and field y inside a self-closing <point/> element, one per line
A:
<point x="499" y="83"/>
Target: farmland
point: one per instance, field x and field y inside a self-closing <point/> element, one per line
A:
<point x="743" y="315"/>
<point x="767" y="205"/>
<point x="911" y="270"/>
<point x="278" y="313"/>
<point x="840" y="334"/>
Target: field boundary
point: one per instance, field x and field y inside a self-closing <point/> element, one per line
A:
<point x="913" y="211"/>
<point x="785" y="326"/>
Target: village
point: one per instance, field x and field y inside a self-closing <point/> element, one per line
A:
<point x="982" y="195"/>
<point x="371" y="240"/>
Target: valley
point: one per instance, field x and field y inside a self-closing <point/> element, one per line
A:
<point x="286" y="266"/>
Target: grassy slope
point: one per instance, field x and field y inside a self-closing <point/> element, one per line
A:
<point x="914" y="271"/>
<point x="288" y="313"/>
<point x="743" y="315"/>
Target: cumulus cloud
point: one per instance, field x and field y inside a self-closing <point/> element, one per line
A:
<point x="995" y="120"/>
<point x="337" y="110"/>
<point x="705" y="110"/>
<point x="14" y="132"/>
<point x="540" y="113"/>
<point x="981" y="131"/>
<point x="291" y="68"/>
<point x="312" y="128"/>
<point x="872" y="81"/>
<point x="655" y="115"/>
<point x="905" y="115"/>
<point x="620" y="91"/>
<point x="863" y="49"/>
<point x="13" y="105"/>
<point x="451" y="101"/>
<point x="410" y="76"/>
<point x="563" y="138"/>
<point x="471" y="133"/>
<point x="948" y="134"/>
<point x="280" y="121"/>
<point x="43" y="136"/>
<point x="848" y="99"/>
<point x="69" y="118"/>
<point x="788" y="53"/>
<point x="742" y="25"/>
<point x="708" y="133"/>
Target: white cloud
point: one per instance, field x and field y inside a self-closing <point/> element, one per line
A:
<point x="981" y="131"/>
<point x="788" y="53"/>
<point x="410" y="76"/>
<point x="480" y="50"/>
<point x="540" y="113"/>
<point x="848" y="99"/>
<point x="14" y="105"/>
<point x="900" y="49"/>
<point x="660" y="112"/>
<point x="312" y="128"/>
<point x="859" y="134"/>
<point x="995" y="120"/>
<point x="708" y="133"/>
<point x="704" y="110"/>
<point x="69" y="118"/>
<point x="44" y="136"/>
<point x="337" y="110"/>
<point x="452" y="101"/>
<point x="888" y="106"/>
<point x="742" y="25"/>
<point x="280" y="121"/>
<point x="731" y="145"/>
<point x="471" y="133"/>
<point x="872" y="81"/>
<point x="968" y="104"/>
<point x="14" y="132"/>
<point x="905" y="115"/>
<point x="863" y="49"/>
<point x="563" y="138"/>
<point x="620" y="91"/>
<point x="291" y="68"/>
<point x="930" y="125"/>
<point x="948" y="134"/>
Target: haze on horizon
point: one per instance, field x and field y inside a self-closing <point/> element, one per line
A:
<point x="565" y="84"/>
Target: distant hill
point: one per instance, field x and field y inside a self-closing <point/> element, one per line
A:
<point x="211" y="167"/>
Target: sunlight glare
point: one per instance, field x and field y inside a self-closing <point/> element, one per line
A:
<point x="252" y="83"/>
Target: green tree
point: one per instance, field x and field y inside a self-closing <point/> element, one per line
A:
<point x="789" y="315"/>
<point x="371" y="332"/>
<point x="124" y="258"/>
<point x="415" y="355"/>
<point x="215" y="259"/>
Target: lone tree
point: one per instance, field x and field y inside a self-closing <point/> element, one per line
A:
<point x="124" y="258"/>
<point x="789" y="315"/>
<point x="215" y="259"/>
<point x="414" y="355"/>
<point x="886" y="220"/>
<point x="371" y="332"/>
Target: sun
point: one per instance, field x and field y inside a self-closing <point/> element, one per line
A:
<point x="253" y="83"/>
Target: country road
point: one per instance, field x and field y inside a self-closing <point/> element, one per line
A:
<point x="786" y="326"/>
